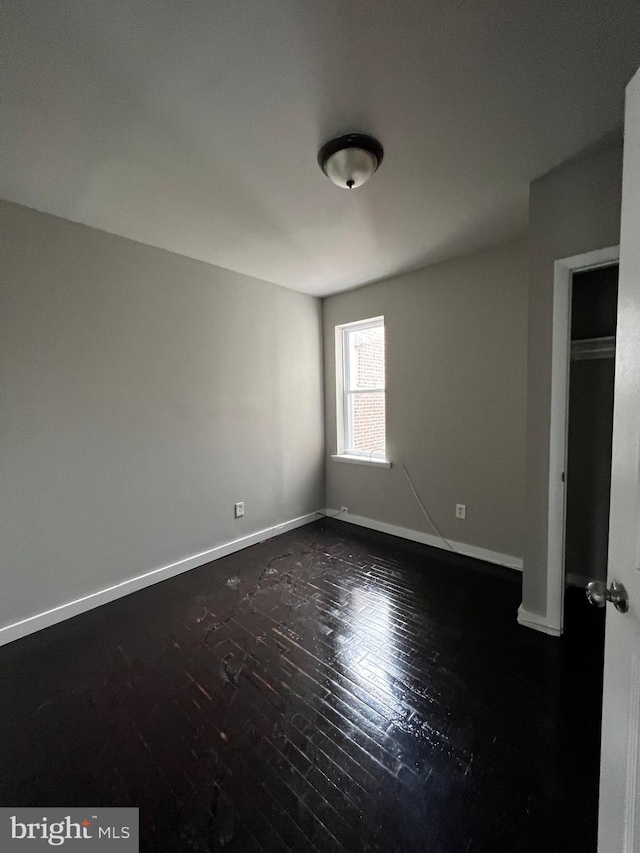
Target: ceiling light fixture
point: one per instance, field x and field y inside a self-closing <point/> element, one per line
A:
<point x="350" y="160"/>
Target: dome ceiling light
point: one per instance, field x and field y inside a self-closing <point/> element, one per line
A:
<point x="349" y="161"/>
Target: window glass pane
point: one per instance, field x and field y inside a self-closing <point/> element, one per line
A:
<point x="365" y="358"/>
<point x="367" y="422"/>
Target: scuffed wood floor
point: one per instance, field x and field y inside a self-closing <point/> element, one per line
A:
<point x="327" y="690"/>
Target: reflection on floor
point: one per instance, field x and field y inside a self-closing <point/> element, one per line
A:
<point x="327" y="690"/>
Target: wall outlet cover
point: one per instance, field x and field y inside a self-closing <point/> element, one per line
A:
<point x="461" y="510"/>
<point x="239" y="509"/>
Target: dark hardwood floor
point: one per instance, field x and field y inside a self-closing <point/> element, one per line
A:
<point x="330" y="689"/>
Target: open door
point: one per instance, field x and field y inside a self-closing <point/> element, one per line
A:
<point x="619" y="816"/>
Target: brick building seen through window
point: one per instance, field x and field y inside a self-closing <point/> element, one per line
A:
<point x="363" y="399"/>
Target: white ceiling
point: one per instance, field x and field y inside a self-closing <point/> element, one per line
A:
<point x="194" y="124"/>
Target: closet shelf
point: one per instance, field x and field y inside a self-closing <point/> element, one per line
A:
<point x="589" y="348"/>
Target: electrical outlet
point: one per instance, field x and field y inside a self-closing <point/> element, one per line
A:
<point x="344" y="509"/>
<point x="461" y="510"/>
<point x="239" y="508"/>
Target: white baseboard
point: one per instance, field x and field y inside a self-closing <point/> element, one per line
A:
<point x="95" y="599"/>
<point x="538" y="623"/>
<point x="429" y="539"/>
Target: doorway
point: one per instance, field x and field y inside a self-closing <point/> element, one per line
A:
<point x="565" y="271"/>
<point x="594" y="295"/>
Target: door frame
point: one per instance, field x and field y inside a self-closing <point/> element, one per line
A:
<point x="563" y="272"/>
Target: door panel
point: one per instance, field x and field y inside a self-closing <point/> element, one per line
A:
<point x="619" y="816"/>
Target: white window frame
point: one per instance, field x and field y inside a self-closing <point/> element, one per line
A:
<point x="344" y="396"/>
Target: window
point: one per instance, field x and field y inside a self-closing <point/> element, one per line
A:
<point x="360" y="369"/>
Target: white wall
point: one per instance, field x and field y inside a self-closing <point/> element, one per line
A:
<point x="573" y="209"/>
<point x="456" y="394"/>
<point x="143" y="394"/>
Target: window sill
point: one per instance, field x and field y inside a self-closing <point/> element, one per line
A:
<point x="361" y="460"/>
